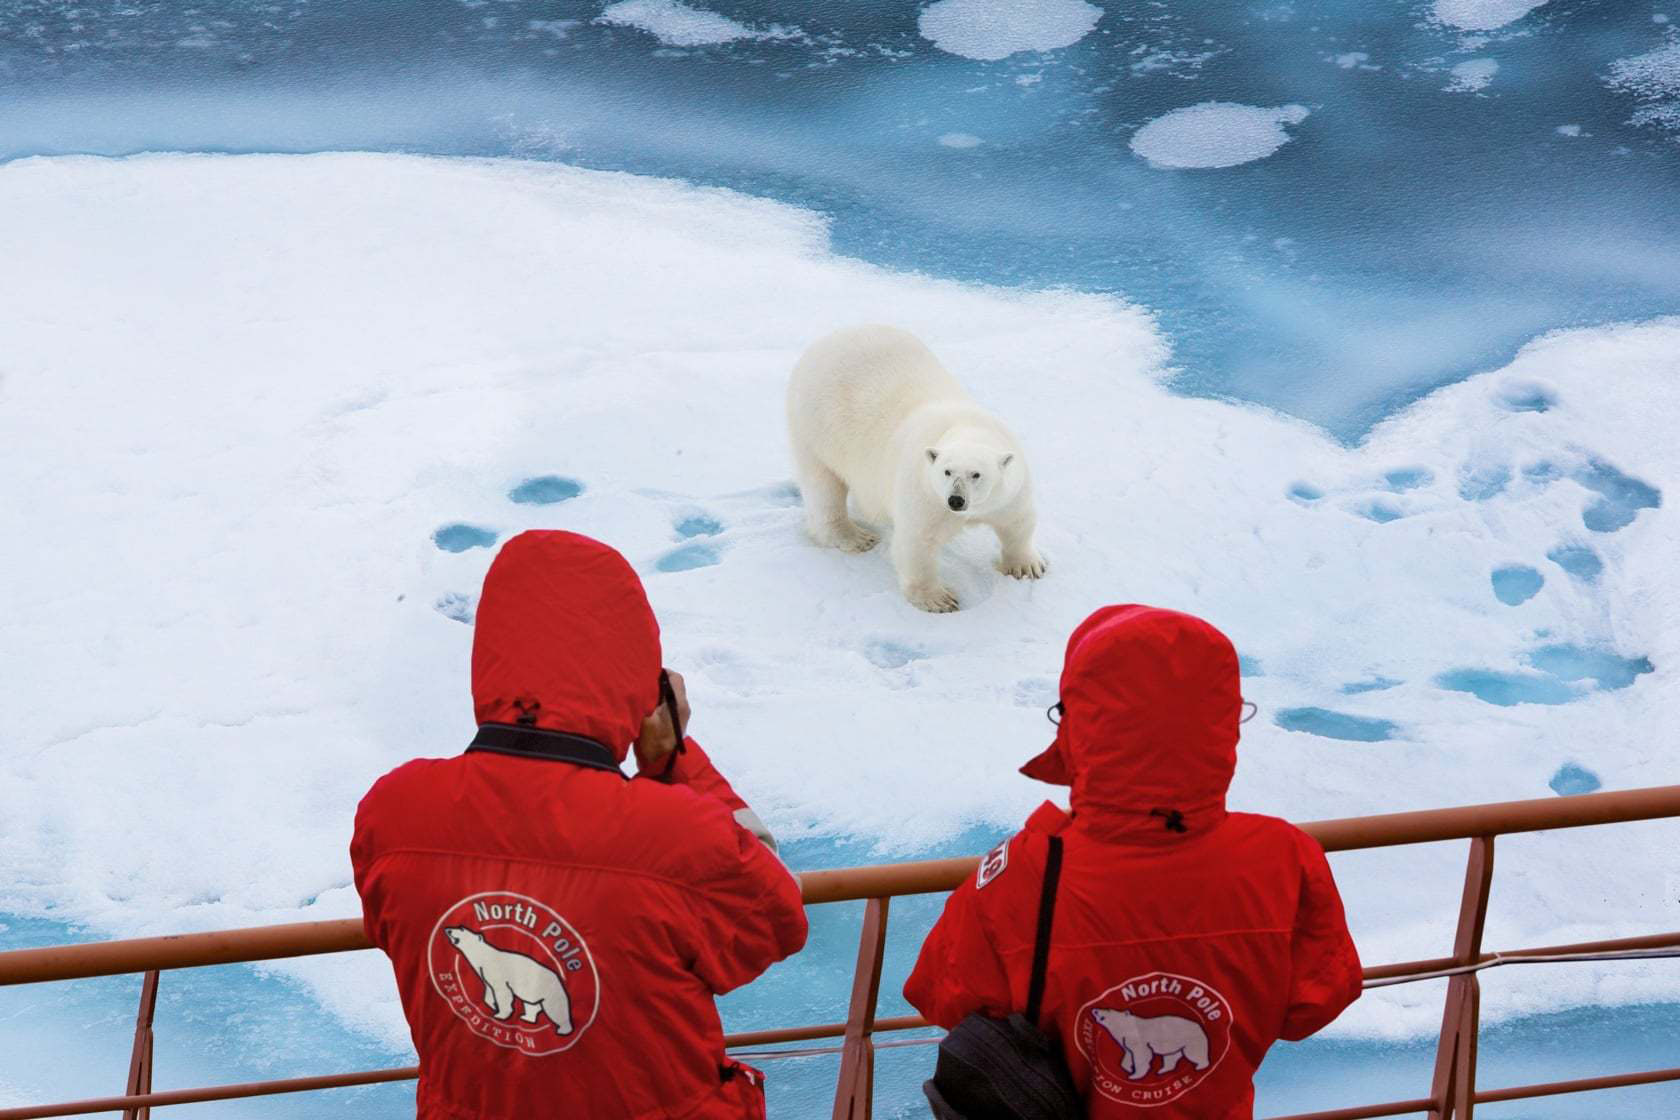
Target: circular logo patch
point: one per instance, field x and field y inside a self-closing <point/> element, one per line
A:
<point x="1153" y="1038"/>
<point x="515" y="972"/>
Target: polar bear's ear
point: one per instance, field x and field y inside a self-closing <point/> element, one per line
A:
<point x="1006" y="460"/>
<point x="933" y="454"/>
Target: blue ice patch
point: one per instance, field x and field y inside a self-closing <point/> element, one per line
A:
<point x="459" y="537"/>
<point x="1579" y="561"/>
<point x="1620" y="497"/>
<point x="1375" y="684"/>
<point x="698" y="525"/>
<point x="1381" y="512"/>
<point x="1561" y="676"/>
<point x="1408" y="478"/>
<point x="1335" y="725"/>
<point x="1508" y="689"/>
<point x="545" y="490"/>
<point x="1515" y="584"/>
<point x="1571" y="779"/>
<point x="687" y="558"/>
<point x="1608" y="670"/>
<point x="1305" y="493"/>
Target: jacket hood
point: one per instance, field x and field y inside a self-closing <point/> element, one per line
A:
<point x="1151" y="704"/>
<point x="565" y="640"/>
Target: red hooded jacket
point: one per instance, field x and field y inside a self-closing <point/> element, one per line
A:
<point x="558" y="932"/>
<point x="1187" y="939"/>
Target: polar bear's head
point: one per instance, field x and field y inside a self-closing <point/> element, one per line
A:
<point x="971" y="478"/>
<point x="1113" y="1020"/>
<point x="461" y="937"/>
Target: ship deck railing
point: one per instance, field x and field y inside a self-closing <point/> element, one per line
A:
<point x="1453" y="1090"/>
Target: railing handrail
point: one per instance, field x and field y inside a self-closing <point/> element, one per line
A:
<point x="301" y="939"/>
<point x="1453" y="1093"/>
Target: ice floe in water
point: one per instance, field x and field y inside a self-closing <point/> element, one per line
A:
<point x="1472" y="74"/>
<point x="960" y="140"/>
<point x="679" y="25"/>
<point x="1215" y="134"/>
<point x="994" y="29"/>
<point x="217" y="654"/>
<point x="1653" y="79"/>
<point x="1483" y="15"/>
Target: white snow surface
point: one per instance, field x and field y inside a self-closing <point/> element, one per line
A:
<point x="1215" y="134"/>
<point x="1483" y="15"/>
<point x="680" y="25"/>
<point x="992" y="29"/>
<point x="239" y="393"/>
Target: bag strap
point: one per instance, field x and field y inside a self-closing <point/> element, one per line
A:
<point x="1046" y="919"/>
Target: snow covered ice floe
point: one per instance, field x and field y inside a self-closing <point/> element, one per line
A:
<point x="1483" y="15"/>
<point x="681" y="25"/>
<point x="1472" y="74"/>
<point x="241" y="396"/>
<point x="992" y="29"/>
<point x="1215" y="134"/>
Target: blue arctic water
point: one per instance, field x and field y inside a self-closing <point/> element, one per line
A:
<point x="1405" y="236"/>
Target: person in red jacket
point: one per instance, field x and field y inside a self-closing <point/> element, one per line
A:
<point x="1186" y="938"/>
<point x="558" y="931"/>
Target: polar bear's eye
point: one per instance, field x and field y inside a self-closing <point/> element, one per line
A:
<point x="975" y="476"/>
<point x="947" y="474"/>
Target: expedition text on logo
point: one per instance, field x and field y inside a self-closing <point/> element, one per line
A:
<point x="497" y="953"/>
<point x="1154" y="1038"/>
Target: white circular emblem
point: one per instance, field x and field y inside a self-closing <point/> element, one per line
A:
<point x="515" y="971"/>
<point x="1153" y="1038"/>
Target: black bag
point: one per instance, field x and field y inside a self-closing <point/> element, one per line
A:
<point x="1008" y="1069"/>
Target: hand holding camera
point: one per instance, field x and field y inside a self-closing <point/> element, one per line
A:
<point x="662" y="728"/>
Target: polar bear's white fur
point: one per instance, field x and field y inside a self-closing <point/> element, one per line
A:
<point x="1168" y="1036"/>
<point x="510" y="976"/>
<point x="872" y="413"/>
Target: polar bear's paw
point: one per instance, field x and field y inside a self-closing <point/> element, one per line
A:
<point x="936" y="599"/>
<point x="1030" y="566"/>
<point x="847" y="536"/>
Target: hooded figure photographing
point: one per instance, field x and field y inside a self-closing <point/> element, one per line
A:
<point x="1175" y="940"/>
<point x="558" y="930"/>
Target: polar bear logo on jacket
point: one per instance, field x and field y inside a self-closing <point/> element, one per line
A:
<point x="1168" y="1037"/>
<point x="513" y="977"/>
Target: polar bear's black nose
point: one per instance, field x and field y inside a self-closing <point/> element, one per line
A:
<point x="955" y="501"/>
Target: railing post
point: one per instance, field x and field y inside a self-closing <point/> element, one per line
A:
<point x="140" y="1061"/>
<point x="854" y="1095"/>
<point x="1454" y="1086"/>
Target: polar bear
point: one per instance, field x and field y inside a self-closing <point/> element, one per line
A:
<point x="1142" y="1039"/>
<point x="872" y="413"/>
<point x="510" y="976"/>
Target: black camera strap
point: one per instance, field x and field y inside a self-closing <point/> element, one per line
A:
<point x="1046" y="919"/>
<point x="537" y="742"/>
<point x="669" y="696"/>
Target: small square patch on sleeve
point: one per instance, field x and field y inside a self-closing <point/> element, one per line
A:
<point x="992" y="865"/>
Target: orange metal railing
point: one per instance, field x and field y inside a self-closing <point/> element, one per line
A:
<point x="1452" y="1092"/>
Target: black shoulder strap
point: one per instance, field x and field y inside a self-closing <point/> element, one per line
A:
<point x="1046" y="919"/>
<point x="536" y="742"/>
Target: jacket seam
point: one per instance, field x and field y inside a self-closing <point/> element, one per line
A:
<point x="688" y="887"/>
<point x="1061" y="945"/>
